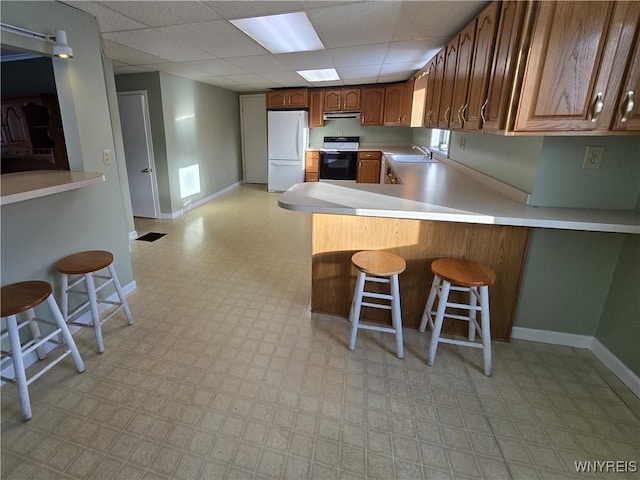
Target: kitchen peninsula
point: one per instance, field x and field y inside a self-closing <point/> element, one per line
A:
<point x="436" y="211"/>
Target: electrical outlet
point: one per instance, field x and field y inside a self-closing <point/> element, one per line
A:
<point x="106" y="157"/>
<point x="593" y="157"/>
<point x="463" y="142"/>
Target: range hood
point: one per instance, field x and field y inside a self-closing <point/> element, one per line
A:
<point x="335" y="115"/>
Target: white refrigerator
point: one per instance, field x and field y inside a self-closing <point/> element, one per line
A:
<point x="287" y="140"/>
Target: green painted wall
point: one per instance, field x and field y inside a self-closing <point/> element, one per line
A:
<point x="368" y="135"/>
<point x="210" y="138"/>
<point x="619" y="327"/>
<point x="150" y="82"/>
<point x="38" y="232"/>
<point x="562" y="182"/>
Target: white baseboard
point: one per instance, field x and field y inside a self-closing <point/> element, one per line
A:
<point x="602" y="353"/>
<point x="202" y="201"/>
<point x="554" y="338"/>
<point x="614" y="364"/>
<point x="85" y="318"/>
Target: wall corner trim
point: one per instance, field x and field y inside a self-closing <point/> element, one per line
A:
<point x="602" y="353"/>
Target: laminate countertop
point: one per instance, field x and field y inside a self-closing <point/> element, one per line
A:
<point x="437" y="191"/>
<point x="21" y="186"/>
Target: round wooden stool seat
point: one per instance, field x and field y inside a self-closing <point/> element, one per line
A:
<point x="20" y="297"/>
<point x="379" y="263"/>
<point x="85" y="262"/>
<point x="463" y="272"/>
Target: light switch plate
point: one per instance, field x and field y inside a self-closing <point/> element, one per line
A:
<point x="106" y="157"/>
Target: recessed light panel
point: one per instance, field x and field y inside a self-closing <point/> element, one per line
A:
<point x="323" y="75"/>
<point x="286" y="33"/>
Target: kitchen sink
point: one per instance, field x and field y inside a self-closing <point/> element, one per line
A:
<point x="400" y="158"/>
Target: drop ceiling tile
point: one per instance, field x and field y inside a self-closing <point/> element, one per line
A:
<point x="307" y="60"/>
<point x="260" y="63"/>
<point x="157" y="43"/>
<point x="362" y="55"/>
<point x="355" y="24"/>
<point x="108" y="19"/>
<point x="434" y="19"/>
<point x="245" y="9"/>
<point x="160" y="13"/>
<point x="182" y="69"/>
<point x="218" y="66"/>
<point x="421" y="50"/>
<point x="362" y="81"/>
<point x="401" y="68"/>
<point x="286" y="78"/>
<point x="352" y="73"/>
<point x="400" y="77"/>
<point x="220" y="38"/>
<point x="130" y="69"/>
<point x="130" y="56"/>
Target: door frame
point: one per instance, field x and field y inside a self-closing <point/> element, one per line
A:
<point x="152" y="164"/>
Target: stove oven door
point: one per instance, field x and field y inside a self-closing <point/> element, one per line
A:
<point x="338" y="165"/>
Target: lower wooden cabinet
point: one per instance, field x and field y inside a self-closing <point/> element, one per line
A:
<point x="369" y="167"/>
<point x="311" y="166"/>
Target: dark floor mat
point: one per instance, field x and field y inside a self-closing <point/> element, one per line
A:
<point x="151" y="236"/>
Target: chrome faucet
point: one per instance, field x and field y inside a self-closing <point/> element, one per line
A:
<point x="424" y="150"/>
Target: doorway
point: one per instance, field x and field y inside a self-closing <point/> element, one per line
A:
<point x="138" y="151"/>
<point x="253" y="121"/>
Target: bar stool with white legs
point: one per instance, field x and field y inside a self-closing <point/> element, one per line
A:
<point x="23" y="297"/>
<point x="463" y="276"/>
<point x="379" y="267"/>
<point x="82" y="267"/>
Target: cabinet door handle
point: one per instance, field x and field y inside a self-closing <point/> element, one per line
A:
<point x="459" y="114"/>
<point x="628" y="107"/>
<point x="484" y="105"/>
<point x="597" y="107"/>
<point x="445" y="116"/>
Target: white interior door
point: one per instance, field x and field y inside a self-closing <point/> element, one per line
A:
<point x="138" y="151"/>
<point x="254" y="138"/>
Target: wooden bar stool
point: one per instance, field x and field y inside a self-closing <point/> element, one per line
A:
<point x="463" y="276"/>
<point x="23" y="297"/>
<point x="85" y="265"/>
<point x="379" y="267"/>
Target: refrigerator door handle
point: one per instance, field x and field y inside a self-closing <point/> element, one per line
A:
<point x="298" y="136"/>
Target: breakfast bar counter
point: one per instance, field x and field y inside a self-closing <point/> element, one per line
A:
<point x="438" y="211"/>
<point x="21" y="186"/>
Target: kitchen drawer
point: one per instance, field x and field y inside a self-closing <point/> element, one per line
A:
<point x="312" y="162"/>
<point x="373" y="155"/>
<point x="311" y="176"/>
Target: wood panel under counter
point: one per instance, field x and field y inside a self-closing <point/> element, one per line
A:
<point x="335" y="238"/>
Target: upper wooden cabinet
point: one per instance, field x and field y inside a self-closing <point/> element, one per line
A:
<point x="448" y="81"/>
<point x="407" y="102"/>
<point x="289" y="98"/>
<point x="418" y="98"/>
<point x="435" y="78"/>
<point x="341" y="99"/>
<point x="486" y="26"/>
<point x="461" y="80"/>
<point x="581" y="66"/>
<point x="316" y="99"/>
<point x="393" y="105"/>
<point x="371" y="110"/>
<point x="496" y="107"/>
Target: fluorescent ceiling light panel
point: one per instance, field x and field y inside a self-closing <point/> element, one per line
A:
<point x="286" y="33"/>
<point x="323" y="75"/>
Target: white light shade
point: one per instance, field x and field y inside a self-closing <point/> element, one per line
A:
<point x="323" y="75"/>
<point x="286" y="33"/>
<point x="61" y="48"/>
